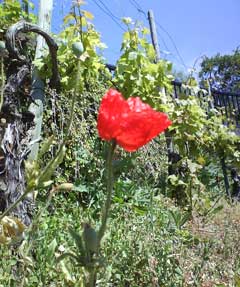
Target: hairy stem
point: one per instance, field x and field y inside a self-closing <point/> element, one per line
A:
<point x="106" y="208"/>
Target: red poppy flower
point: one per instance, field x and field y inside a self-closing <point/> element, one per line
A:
<point x="130" y="122"/>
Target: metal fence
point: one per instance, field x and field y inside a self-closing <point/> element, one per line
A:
<point x="227" y="103"/>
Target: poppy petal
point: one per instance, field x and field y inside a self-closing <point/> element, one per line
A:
<point x="141" y="125"/>
<point x="112" y="107"/>
<point x="131" y="122"/>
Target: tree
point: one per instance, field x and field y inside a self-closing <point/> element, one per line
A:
<point x="223" y="72"/>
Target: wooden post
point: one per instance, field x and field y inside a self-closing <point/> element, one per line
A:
<point x="154" y="37"/>
<point x="37" y="94"/>
<point x="168" y="136"/>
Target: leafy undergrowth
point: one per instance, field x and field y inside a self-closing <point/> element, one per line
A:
<point x="151" y="244"/>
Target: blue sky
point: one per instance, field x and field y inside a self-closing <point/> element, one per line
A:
<point x="197" y="27"/>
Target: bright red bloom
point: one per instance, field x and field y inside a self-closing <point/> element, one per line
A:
<point x="130" y="122"/>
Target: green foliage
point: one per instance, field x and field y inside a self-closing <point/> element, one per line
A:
<point x="222" y="71"/>
<point x="199" y="137"/>
<point x="10" y="13"/>
<point x="137" y="73"/>
<point x="78" y="40"/>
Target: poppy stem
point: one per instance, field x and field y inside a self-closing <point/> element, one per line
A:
<point x="109" y="179"/>
<point x="91" y="281"/>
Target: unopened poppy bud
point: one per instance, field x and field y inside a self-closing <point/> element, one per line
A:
<point x="90" y="237"/>
<point x="77" y="48"/>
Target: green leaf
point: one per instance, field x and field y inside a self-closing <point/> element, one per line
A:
<point x="216" y="210"/>
<point x="67" y="274"/>
<point x="45" y="147"/>
<point x="78" y="241"/>
<point x="145" y="31"/>
<point x="185" y="217"/>
<point x="68" y="18"/>
<point x="87" y="14"/>
<point x="237" y="280"/>
<point x="132" y="55"/>
<point x="51" y="250"/>
<point x="51" y="166"/>
<point x="31" y="5"/>
<point x="141" y="210"/>
<point x="66" y="255"/>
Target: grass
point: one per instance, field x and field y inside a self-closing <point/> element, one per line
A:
<point x="218" y="251"/>
<point x="143" y="247"/>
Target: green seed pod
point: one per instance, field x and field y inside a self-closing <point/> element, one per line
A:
<point x="77" y="48"/>
<point x="89" y="236"/>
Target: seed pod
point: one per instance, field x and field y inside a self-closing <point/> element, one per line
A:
<point x="90" y="237"/>
<point x="77" y="48"/>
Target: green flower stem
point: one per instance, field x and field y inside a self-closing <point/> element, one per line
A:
<point x="105" y="211"/>
<point x="106" y="208"/>
<point x="92" y="278"/>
